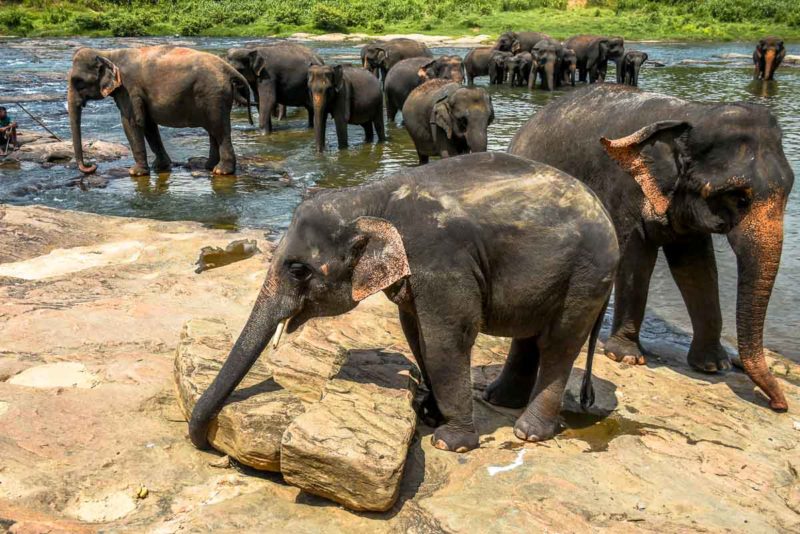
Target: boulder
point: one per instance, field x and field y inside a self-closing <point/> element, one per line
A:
<point x="249" y="427"/>
<point x="46" y="149"/>
<point x="351" y="447"/>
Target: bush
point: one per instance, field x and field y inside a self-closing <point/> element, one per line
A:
<point x="123" y="24"/>
<point x="328" y="18"/>
<point x="376" y="26"/>
<point x="291" y="15"/>
<point x="89" y="22"/>
<point x="192" y="25"/>
<point x="56" y="17"/>
<point x="16" y="20"/>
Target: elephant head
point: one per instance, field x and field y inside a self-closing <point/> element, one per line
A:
<point x="464" y="116"/>
<point x="723" y="172"/>
<point x="569" y="64"/>
<point x="546" y="59"/>
<point x="327" y="87"/>
<point x="631" y="64"/>
<point x="497" y="66"/>
<point x="326" y="263"/>
<point x="374" y="58"/>
<point x="444" y="67"/>
<point x="92" y="77"/>
<point x="616" y="49"/>
<point x="769" y="53"/>
<point x="506" y="41"/>
<point x="242" y="60"/>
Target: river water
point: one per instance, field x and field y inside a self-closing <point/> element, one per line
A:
<point x="708" y="72"/>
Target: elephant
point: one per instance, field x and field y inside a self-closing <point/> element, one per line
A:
<point x="379" y="58"/>
<point x="698" y="169"/>
<point x="520" y="66"/>
<point x="569" y="63"/>
<point x="445" y="119"/>
<point x="547" y="55"/>
<point x="278" y="74"/>
<point x="516" y="42"/>
<point x="480" y="243"/>
<point x="497" y="67"/>
<point x="593" y="53"/>
<point x="615" y="53"/>
<point x="364" y="51"/>
<point x="476" y="63"/>
<point x="351" y="95"/>
<point x="158" y="86"/>
<point x="413" y="72"/>
<point x="632" y="61"/>
<point x="767" y="57"/>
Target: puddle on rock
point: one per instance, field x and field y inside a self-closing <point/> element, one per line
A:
<point x="598" y="431"/>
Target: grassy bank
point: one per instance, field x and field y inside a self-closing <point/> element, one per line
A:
<point x="635" y="19"/>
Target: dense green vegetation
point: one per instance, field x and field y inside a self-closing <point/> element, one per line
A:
<point x="635" y="19"/>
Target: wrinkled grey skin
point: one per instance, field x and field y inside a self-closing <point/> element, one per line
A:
<point x="497" y="67"/>
<point x="767" y="57"/>
<point x="379" y="58"/>
<point x="410" y="73"/>
<point x="593" y="54"/>
<point x="671" y="173"/>
<point x="484" y="243"/>
<point x="351" y="96"/>
<point x="445" y="119"/>
<point x="277" y="73"/>
<point x="631" y="64"/>
<point x="519" y="66"/>
<point x="569" y="64"/>
<point x="476" y="63"/>
<point x="547" y="56"/>
<point x="158" y="86"/>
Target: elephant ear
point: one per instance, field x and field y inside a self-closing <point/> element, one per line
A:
<point x="257" y="62"/>
<point x="109" y="78"/>
<point x="426" y="71"/>
<point x="338" y="77"/>
<point x="340" y="85"/>
<point x="380" y="257"/>
<point x="655" y="156"/>
<point x="441" y="117"/>
<point x="380" y="54"/>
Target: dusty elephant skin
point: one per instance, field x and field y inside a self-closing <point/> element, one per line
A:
<point x="671" y="173"/>
<point x="719" y="462"/>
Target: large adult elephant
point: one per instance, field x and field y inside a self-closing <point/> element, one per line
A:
<point x="476" y="62"/>
<point x="767" y="57"/>
<point x="158" y="86"/>
<point x="593" y="53"/>
<point x="671" y="173"/>
<point x="278" y="74"/>
<point x="486" y="243"/>
<point x="445" y="119"/>
<point x="547" y="57"/>
<point x="351" y="96"/>
<point x="410" y="73"/>
<point x="516" y="42"/>
<point x="381" y="57"/>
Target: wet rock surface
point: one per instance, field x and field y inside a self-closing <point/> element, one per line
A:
<point x="45" y="149"/>
<point x="667" y="450"/>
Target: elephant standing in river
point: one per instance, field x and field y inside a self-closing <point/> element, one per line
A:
<point x="497" y="67"/>
<point x="671" y="173"/>
<point x="158" y="86"/>
<point x="767" y="57"/>
<point x="569" y="64"/>
<point x="485" y="243"/>
<point x="632" y="62"/>
<point x="278" y="74"/>
<point x="547" y="56"/>
<point x="351" y="95"/>
<point x="516" y="42"/>
<point x="520" y="66"/>
<point x="410" y="73"/>
<point x="445" y="119"/>
<point x="476" y="63"/>
<point x="379" y="58"/>
<point x="593" y="53"/>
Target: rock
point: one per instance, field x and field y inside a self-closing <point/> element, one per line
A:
<point x="48" y="149"/>
<point x="250" y="425"/>
<point x="213" y="257"/>
<point x="103" y="509"/>
<point x="351" y="447"/>
<point x="56" y="375"/>
<point x="60" y="262"/>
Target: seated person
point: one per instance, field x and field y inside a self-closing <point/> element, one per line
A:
<point x="8" y="130"/>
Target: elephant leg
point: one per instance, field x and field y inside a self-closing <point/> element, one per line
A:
<point x="630" y="299"/>
<point x="513" y="387"/>
<point x="380" y="129"/>
<point x="423" y="158"/>
<point x="266" y="103"/>
<point x="429" y="409"/>
<point x="369" y="132"/>
<point x="694" y="269"/>
<point x="391" y="110"/>
<point x="162" y="163"/>
<point x="213" y="152"/>
<point x="135" y="135"/>
<point x="582" y="71"/>
<point x="341" y="131"/>
<point x="227" y="156"/>
<point x="310" y="111"/>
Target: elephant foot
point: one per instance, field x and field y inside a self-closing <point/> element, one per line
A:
<point x="531" y="427"/>
<point x="709" y="359"/>
<point x="450" y="438"/>
<point x="224" y="169"/>
<point x="162" y="165"/>
<point x="509" y="392"/>
<point x="139" y="170"/>
<point x="429" y="412"/>
<point x="624" y="350"/>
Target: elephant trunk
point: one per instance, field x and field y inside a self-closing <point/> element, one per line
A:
<point x="75" y="111"/>
<point x="636" y="67"/>
<point x="757" y="241"/>
<point x="769" y="64"/>
<point x="259" y="329"/>
<point x="549" y="73"/>
<point x="476" y="137"/>
<point x="320" y="119"/>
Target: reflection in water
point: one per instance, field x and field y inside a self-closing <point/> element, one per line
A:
<point x="276" y="169"/>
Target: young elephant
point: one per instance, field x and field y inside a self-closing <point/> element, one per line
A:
<point x="569" y="63"/>
<point x="497" y="67"/>
<point x="486" y="243"/>
<point x="445" y="119"/>
<point x="767" y="57"/>
<point x="632" y="61"/>
<point x="413" y="72"/>
<point x="520" y="66"/>
<point x="351" y="95"/>
<point x="158" y="86"/>
<point x="476" y="63"/>
<point x="278" y="74"/>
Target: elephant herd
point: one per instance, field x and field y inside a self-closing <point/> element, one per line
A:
<point x="525" y="245"/>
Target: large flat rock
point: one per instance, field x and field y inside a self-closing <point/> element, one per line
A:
<point x="250" y="426"/>
<point x="351" y="447"/>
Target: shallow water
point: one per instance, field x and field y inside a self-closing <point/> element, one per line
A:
<point x="709" y="72"/>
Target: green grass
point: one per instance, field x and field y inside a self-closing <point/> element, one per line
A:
<point x="634" y="19"/>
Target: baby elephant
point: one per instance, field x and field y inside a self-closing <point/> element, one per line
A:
<point x="519" y="66"/>
<point x="445" y="119"/>
<point x="767" y="57"/>
<point x="410" y="73"/>
<point x="497" y="67"/>
<point x="632" y="61"/>
<point x="487" y="243"/>
<point x="351" y="95"/>
<point x="569" y="64"/>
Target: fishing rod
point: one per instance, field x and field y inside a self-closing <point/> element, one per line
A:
<point x="40" y="123"/>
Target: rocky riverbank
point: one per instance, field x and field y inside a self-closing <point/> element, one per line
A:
<point x="91" y="436"/>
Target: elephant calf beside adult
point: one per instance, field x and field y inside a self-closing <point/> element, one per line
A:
<point x="158" y="86"/>
<point x="671" y="173"/>
<point x="767" y="57"/>
<point x="278" y="74"/>
<point x="379" y="58"/>
<point x="631" y="64"/>
<point x="446" y="119"/>
<point x="593" y="52"/>
<point x="351" y="95"/>
<point x="410" y="73"/>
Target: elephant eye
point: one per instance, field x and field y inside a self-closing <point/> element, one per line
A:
<point x="299" y="271"/>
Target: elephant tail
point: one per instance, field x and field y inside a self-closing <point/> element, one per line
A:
<point x="241" y="93"/>
<point x="587" y="391"/>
